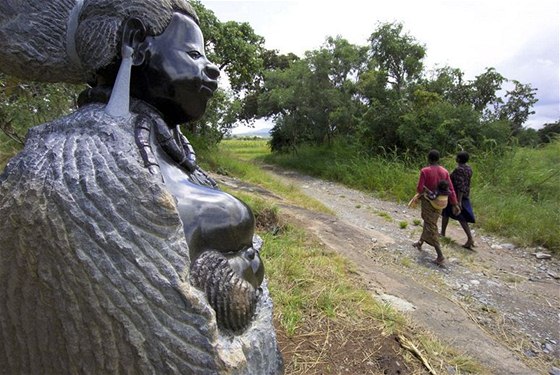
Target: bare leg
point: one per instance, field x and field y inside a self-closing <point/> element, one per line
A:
<point x="470" y="243"/>
<point x="444" y="222"/>
<point x="440" y="258"/>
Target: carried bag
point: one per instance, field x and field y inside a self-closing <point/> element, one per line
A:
<point x="439" y="202"/>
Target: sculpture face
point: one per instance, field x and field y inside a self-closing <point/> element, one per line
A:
<point x="176" y="77"/>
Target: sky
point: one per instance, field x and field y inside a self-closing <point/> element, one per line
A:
<point x="520" y="39"/>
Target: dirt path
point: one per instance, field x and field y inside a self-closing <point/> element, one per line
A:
<point x="499" y="304"/>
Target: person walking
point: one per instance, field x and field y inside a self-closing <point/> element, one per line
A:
<point x="430" y="178"/>
<point x="461" y="179"/>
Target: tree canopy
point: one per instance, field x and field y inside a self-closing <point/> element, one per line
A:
<point x="381" y="97"/>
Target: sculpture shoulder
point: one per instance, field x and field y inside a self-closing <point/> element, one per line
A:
<point x="84" y="144"/>
<point x="87" y="168"/>
<point x="90" y="120"/>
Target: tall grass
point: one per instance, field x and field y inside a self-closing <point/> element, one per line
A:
<point x="386" y="175"/>
<point x="515" y="191"/>
<point x="517" y="194"/>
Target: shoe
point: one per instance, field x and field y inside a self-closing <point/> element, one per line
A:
<point x="439" y="262"/>
<point x="469" y="245"/>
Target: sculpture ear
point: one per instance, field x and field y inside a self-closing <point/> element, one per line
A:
<point x="134" y="33"/>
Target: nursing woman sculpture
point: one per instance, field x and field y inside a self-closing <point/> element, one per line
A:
<point x="118" y="253"/>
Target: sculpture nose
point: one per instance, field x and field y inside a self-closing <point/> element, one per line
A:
<point x="211" y="71"/>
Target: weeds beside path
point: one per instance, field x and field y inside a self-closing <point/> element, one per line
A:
<point x="499" y="304"/>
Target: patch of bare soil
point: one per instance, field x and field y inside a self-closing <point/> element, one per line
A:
<point x="499" y="304"/>
<point x="326" y="348"/>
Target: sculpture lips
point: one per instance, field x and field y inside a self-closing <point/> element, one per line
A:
<point x="208" y="88"/>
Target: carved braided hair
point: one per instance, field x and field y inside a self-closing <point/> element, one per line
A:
<point x="37" y="38"/>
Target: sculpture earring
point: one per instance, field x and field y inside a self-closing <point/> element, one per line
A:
<point x="119" y="103"/>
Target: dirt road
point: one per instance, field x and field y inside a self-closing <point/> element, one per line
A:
<point x="499" y="304"/>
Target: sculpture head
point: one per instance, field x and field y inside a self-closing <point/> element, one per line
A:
<point x="83" y="42"/>
<point x="171" y="71"/>
<point x="174" y="74"/>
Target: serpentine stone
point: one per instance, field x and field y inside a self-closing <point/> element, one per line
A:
<point x="95" y="269"/>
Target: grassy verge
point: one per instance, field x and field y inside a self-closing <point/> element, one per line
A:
<point x="388" y="176"/>
<point x="517" y="194"/>
<point x="239" y="158"/>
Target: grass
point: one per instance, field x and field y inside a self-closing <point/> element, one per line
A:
<point x="406" y="262"/>
<point x="305" y="277"/>
<point x="240" y="158"/>
<point x="387" y="176"/>
<point x="384" y="215"/>
<point x="517" y="194"/>
<point x="309" y="283"/>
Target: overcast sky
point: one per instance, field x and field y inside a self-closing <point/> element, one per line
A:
<point x="520" y="39"/>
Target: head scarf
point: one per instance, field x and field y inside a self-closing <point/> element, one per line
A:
<point x="69" y="40"/>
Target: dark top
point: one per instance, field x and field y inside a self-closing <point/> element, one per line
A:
<point x="461" y="179"/>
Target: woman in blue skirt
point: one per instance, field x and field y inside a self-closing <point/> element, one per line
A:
<point x="461" y="179"/>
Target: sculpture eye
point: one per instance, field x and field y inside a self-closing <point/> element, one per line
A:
<point x="194" y="54"/>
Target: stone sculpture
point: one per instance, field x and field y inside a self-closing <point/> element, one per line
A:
<point x="118" y="253"/>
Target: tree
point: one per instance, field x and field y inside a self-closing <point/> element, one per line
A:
<point x="449" y="83"/>
<point x="518" y="104"/>
<point x="337" y="65"/>
<point x="249" y="104"/>
<point x="272" y="60"/>
<point x="433" y="122"/>
<point x="527" y="137"/>
<point x="233" y="46"/>
<point x="26" y="104"/>
<point x="316" y="94"/>
<point x="549" y="132"/>
<point x="484" y="89"/>
<point x="381" y="113"/>
<point x="398" y="54"/>
<point x="394" y="65"/>
<point x="239" y="53"/>
<point x="346" y="61"/>
<point x="377" y="94"/>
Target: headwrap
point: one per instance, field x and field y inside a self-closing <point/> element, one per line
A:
<point x="69" y="40"/>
